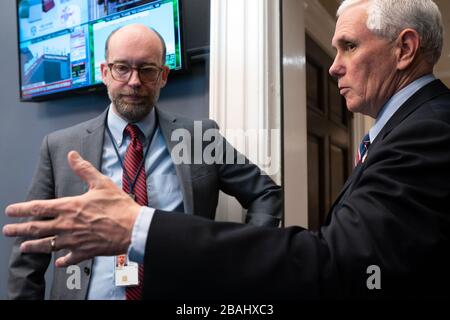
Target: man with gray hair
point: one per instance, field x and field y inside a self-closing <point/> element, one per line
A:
<point x="388" y="233"/>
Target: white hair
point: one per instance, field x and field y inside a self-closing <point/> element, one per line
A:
<point x="388" y="18"/>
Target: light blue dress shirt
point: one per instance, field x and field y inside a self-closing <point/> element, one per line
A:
<point x="395" y="102"/>
<point x="163" y="190"/>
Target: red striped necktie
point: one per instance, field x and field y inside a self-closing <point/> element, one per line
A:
<point x="134" y="183"/>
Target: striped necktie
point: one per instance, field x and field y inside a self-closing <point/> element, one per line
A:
<point x="134" y="183"/>
<point x="362" y="150"/>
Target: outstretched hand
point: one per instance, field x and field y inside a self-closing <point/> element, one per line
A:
<point x="99" y="222"/>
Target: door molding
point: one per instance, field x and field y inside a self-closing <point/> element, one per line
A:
<point x="295" y="162"/>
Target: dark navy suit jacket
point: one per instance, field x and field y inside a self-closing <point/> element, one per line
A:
<point x="393" y="213"/>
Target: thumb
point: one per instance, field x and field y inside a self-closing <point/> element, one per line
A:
<point x="84" y="169"/>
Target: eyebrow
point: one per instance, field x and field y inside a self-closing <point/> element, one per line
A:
<point x="343" y="41"/>
<point x="138" y="65"/>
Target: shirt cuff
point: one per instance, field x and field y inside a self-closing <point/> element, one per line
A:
<point x="136" y="251"/>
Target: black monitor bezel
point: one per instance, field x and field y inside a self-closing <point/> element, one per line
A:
<point x="99" y="87"/>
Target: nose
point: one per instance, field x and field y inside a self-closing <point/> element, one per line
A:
<point x="337" y="69"/>
<point x="134" y="80"/>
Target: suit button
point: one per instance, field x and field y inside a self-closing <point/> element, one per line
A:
<point x="87" y="270"/>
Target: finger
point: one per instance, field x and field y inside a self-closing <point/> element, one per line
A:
<point x="84" y="169"/>
<point x="38" y="246"/>
<point x="33" y="229"/>
<point x="69" y="259"/>
<point x="36" y="208"/>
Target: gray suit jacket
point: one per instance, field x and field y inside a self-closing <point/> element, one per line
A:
<point x="200" y="184"/>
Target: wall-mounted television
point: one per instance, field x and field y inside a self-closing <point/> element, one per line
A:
<point x="62" y="42"/>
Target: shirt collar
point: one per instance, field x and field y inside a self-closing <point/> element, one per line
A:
<point x="395" y="102"/>
<point x="117" y="125"/>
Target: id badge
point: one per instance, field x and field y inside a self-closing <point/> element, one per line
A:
<point x="126" y="272"/>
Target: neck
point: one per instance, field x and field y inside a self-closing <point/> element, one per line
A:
<point x="399" y="81"/>
<point x="416" y="71"/>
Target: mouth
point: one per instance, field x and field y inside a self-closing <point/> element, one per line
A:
<point x="133" y="97"/>
<point x="344" y="90"/>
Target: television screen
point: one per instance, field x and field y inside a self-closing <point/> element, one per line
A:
<point x="62" y="42"/>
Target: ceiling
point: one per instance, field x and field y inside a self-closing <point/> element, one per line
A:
<point x="442" y="69"/>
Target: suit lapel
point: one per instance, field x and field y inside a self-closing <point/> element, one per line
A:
<point x="353" y="177"/>
<point x="91" y="150"/>
<point x="430" y="91"/>
<point x="168" y="123"/>
<point x="92" y="144"/>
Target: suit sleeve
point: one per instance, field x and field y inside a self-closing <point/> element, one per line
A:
<point x="253" y="188"/>
<point x="397" y="218"/>
<point x="26" y="271"/>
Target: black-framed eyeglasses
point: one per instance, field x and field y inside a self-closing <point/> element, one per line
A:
<point x="122" y="72"/>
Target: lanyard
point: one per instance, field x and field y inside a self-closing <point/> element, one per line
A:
<point x="132" y="184"/>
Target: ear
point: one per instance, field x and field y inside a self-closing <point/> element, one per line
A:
<point x="164" y="75"/>
<point x="408" y="44"/>
<point x="104" y="70"/>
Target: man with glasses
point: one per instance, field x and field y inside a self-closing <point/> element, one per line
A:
<point x="131" y="143"/>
